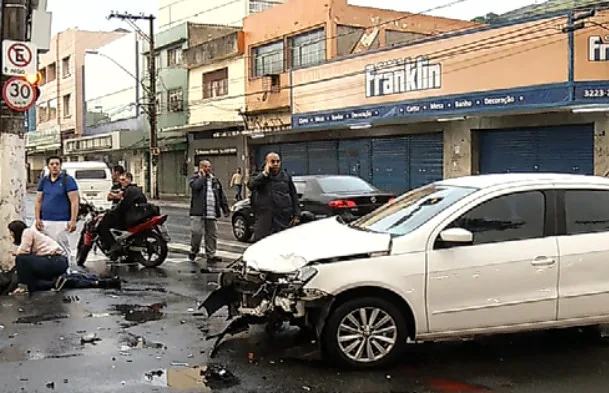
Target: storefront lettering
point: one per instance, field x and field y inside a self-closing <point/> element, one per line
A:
<point x="436" y="106"/>
<point x="216" y="152"/>
<point x="463" y="104"/>
<point x="499" y="101"/>
<point x="413" y="108"/>
<point x="402" y="76"/>
<point x="361" y="115"/>
<point x="597" y="49"/>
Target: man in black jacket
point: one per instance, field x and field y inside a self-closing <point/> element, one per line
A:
<point x="207" y="203"/>
<point x="130" y="211"/>
<point x="275" y="201"/>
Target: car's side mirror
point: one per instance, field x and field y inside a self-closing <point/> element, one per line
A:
<point x="456" y="236"/>
<point x="306" y="216"/>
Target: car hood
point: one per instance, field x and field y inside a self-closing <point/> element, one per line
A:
<point x="288" y="251"/>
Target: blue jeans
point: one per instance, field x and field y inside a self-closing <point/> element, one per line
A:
<point x="238" y="192"/>
<point x="38" y="272"/>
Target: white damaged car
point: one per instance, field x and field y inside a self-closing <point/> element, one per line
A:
<point x="457" y="258"/>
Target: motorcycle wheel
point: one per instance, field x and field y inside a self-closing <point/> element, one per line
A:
<point x="82" y="251"/>
<point x="157" y="251"/>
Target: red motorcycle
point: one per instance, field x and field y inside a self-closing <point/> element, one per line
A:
<point x="145" y="243"/>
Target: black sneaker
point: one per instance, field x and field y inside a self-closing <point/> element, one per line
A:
<point x="192" y="256"/>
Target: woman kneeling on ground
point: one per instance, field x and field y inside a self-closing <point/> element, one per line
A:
<point x="40" y="261"/>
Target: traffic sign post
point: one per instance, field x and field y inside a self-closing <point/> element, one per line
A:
<point x="19" y="58"/>
<point x="19" y="94"/>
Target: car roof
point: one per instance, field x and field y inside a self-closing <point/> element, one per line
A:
<point x="486" y="181"/>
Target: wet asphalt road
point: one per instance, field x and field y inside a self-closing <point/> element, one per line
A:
<point x="40" y="346"/>
<point x="151" y="336"/>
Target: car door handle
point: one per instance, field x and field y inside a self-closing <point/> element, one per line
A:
<point x="543" y="261"/>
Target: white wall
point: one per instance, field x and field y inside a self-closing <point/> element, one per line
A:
<point x="108" y="87"/>
<point x="220" y="108"/>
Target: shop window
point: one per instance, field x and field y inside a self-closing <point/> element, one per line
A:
<point x="269" y="59"/>
<point x="308" y="49"/>
<point x="215" y="83"/>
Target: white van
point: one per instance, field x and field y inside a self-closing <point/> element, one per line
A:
<point x="94" y="180"/>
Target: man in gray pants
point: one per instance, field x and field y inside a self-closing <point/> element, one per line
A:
<point x="207" y="204"/>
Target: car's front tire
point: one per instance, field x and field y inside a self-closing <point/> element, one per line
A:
<point x="241" y="229"/>
<point x="365" y="333"/>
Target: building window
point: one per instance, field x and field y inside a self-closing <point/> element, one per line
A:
<point x="308" y="49"/>
<point x="174" y="57"/>
<point x="52" y="109"/>
<point x="174" y="98"/>
<point x="43" y="76"/>
<point x="268" y="59"/>
<point x="159" y="103"/>
<point x="215" y="83"/>
<point x="65" y="67"/>
<point x="261" y="5"/>
<point x="51" y="72"/>
<point x="67" y="111"/>
<point x="43" y="112"/>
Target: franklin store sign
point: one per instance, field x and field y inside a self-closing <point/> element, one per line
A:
<point x="402" y="76"/>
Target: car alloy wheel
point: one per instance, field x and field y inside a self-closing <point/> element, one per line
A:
<point x="240" y="229"/>
<point x="367" y="334"/>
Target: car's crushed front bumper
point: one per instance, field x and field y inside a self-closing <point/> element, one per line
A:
<point x="265" y="298"/>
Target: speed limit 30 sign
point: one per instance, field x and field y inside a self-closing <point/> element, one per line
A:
<point x="19" y="94"/>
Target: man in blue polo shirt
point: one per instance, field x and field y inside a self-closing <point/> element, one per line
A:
<point x="57" y="202"/>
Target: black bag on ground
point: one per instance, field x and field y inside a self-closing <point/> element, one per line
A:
<point x="8" y="281"/>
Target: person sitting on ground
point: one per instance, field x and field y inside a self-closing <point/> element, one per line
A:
<point x="39" y="261"/>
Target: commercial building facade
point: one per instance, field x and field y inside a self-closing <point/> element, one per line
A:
<point x="524" y="97"/>
<point x="59" y="111"/>
<point x="216" y="99"/>
<point x="114" y="127"/>
<point x="298" y="38"/>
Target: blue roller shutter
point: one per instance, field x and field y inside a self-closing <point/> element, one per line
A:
<point x="561" y="149"/>
<point x="426" y="159"/>
<point x="566" y="149"/>
<point x="390" y="170"/>
<point x="323" y="158"/>
<point x="261" y="153"/>
<point x="354" y="158"/>
<point x="294" y="158"/>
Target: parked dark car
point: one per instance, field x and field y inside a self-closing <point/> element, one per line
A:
<point x="322" y="195"/>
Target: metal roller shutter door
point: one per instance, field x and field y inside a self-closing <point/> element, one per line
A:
<point x="294" y="157"/>
<point x="390" y="170"/>
<point x="354" y="158"/>
<point x="426" y="159"/>
<point x="562" y="149"/>
<point x="261" y="153"/>
<point x="323" y="158"/>
<point x="566" y="149"/>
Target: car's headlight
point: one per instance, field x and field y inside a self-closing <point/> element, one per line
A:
<point x="305" y="274"/>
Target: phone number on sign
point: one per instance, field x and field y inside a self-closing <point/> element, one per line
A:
<point x="596" y="93"/>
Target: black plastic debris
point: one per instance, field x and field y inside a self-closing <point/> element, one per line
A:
<point x="236" y="326"/>
<point x="218" y="377"/>
<point x="51" y="385"/>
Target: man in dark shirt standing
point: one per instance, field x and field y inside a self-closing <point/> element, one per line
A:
<point x="276" y="205"/>
<point x="116" y="192"/>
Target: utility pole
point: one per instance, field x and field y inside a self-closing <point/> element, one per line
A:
<point x="14" y="17"/>
<point x="151" y="111"/>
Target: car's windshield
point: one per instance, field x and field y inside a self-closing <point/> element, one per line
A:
<point x="332" y="184"/>
<point x="412" y="209"/>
